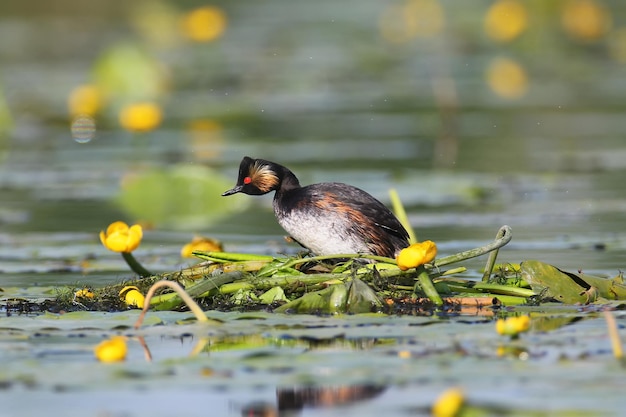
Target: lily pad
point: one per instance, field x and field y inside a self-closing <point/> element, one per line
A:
<point x="551" y="282"/>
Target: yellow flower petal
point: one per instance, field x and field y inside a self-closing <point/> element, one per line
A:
<point x="417" y="254"/>
<point x="117" y="226"/>
<point x="103" y="238"/>
<point x="200" y="243"/>
<point x="111" y="350"/>
<point x="117" y="242"/>
<point x="513" y="326"/>
<point x="449" y="403"/>
<point x="135" y="233"/>
<point x="132" y="296"/>
<point x="121" y="238"/>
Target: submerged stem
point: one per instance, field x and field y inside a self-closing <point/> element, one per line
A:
<point x="616" y="343"/>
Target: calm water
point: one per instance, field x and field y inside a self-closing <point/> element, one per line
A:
<point x="337" y="92"/>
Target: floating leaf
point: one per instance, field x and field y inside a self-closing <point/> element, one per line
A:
<point x="569" y="287"/>
<point x="551" y="282"/>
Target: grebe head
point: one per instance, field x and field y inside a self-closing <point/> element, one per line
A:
<point x="257" y="177"/>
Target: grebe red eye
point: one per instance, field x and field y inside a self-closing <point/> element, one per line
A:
<point x="247" y="180"/>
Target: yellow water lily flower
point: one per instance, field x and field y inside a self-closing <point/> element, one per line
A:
<point x="132" y="296"/>
<point x="449" y="403"/>
<point x="417" y="254"/>
<point x="111" y="350"/>
<point x="513" y="326"/>
<point x="121" y="238"/>
<point x="199" y="243"/>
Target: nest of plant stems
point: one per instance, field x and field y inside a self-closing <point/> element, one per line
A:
<point x="342" y="283"/>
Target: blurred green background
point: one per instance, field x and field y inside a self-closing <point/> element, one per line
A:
<point x="479" y="113"/>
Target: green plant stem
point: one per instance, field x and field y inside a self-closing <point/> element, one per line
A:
<point x="294" y="262"/>
<point x="483" y="287"/>
<point x="193" y="306"/>
<point x="222" y="257"/>
<point x="426" y="285"/>
<point x="491" y="260"/>
<point x="506" y="235"/>
<point x="398" y="209"/>
<point x="135" y="266"/>
<point x="280" y="281"/>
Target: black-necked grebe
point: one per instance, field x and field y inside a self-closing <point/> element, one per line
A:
<point x="327" y="218"/>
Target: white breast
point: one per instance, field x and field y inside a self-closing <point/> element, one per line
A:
<point x="321" y="234"/>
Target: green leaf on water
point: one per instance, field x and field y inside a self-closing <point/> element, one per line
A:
<point x="568" y="287"/>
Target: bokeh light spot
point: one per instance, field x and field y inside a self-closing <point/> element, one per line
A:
<point x="140" y="117"/>
<point x="506" y="20"/>
<point x="414" y="19"/>
<point x="83" y="128"/>
<point x="84" y="99"/>
<point x="206" y="138"/>
<point x="586" y="20"/>
<point x="507" y="78"/>
<point x="204" y="24"/>
<point x="424" y="18"/>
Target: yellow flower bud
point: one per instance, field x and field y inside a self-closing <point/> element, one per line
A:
<point x="121" y="238"/>
<point x="449" y="403"/>
<point x="199" y="243"/>
<point x="417" y="254"/>
<point x="513" y="326"/>
<point x="111" y="350"/>
<point x="132" y="296"/>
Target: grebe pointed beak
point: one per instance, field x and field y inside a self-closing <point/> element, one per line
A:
<point x="235" y="190"/>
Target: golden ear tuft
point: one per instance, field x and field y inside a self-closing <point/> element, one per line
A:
<point x="263" y="177"/>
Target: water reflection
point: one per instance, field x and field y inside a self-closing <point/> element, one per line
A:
<point x="291" y="401"/>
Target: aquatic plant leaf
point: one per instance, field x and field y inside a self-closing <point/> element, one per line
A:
<point x="551" y="282"/>
<point x="569" y="287"/>
<point x="361" y="298"/>
<point x="273" y="295"/>
<point x="327" y="301"/>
